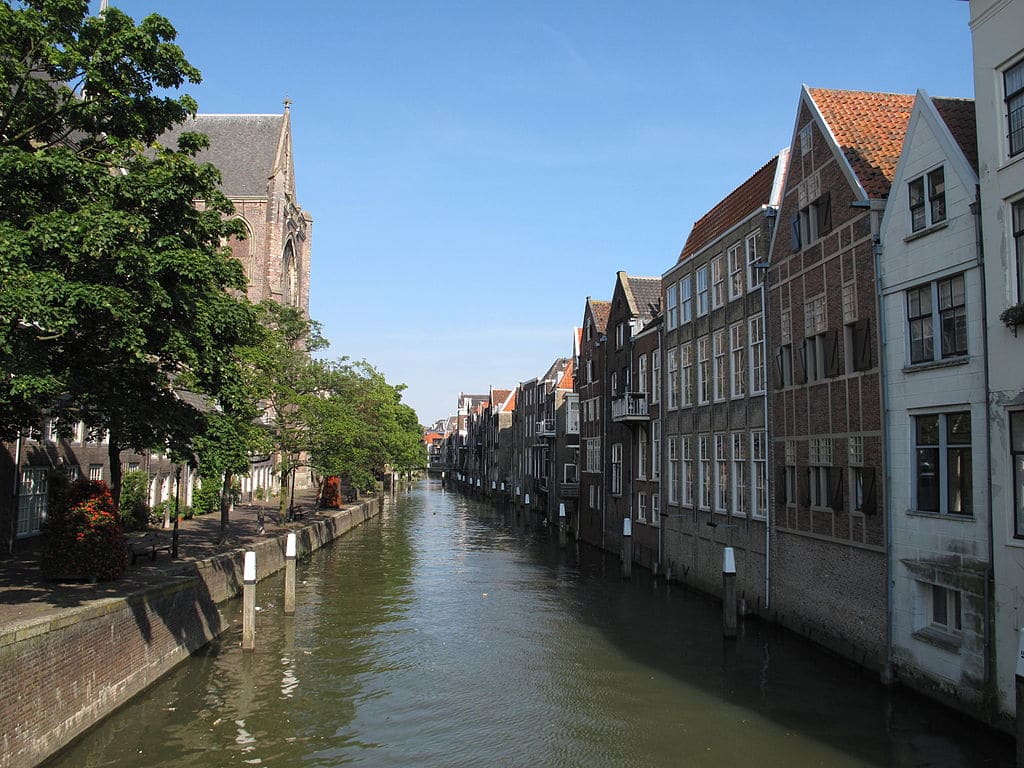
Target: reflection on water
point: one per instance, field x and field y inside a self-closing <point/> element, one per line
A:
<point x="444" y="634"/>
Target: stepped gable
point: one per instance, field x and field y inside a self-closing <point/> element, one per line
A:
<point x="243" y="147"/>
<point x="736" y="206"/>
<point x="869" y="127"/>
<point x="959" y="117"/>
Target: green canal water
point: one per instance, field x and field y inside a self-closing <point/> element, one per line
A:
<point x="444" y="634"/>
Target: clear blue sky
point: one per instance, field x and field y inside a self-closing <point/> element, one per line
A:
<point x="477" y="169"/>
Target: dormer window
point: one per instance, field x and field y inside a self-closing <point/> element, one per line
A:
<point x="927" y="200"/>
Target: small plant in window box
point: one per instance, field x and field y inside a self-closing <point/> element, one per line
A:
<point x="1013" y="316"/>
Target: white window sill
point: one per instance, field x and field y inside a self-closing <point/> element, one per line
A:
<point x="930" y="365"/>
<point x="926" y="231"/>
<point x="940" y="638"/>
<point x="941" y="516"/>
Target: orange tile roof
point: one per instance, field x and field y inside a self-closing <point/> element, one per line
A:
<point x="869" y="128"/>
<point x="566" y="381"/>
<point x="958" y="115"/>
<point x="498" y="396"/>
<point x="736" y="206"/>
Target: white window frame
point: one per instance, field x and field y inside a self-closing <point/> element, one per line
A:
<point x="705" y="480"/>
<point x="704" y="370"/>
<point x="672" y="385"/>
<point x="755" y="275"/>
<point x="686" y="374"/>
<point x="616" y="466"/>
<point x="720" y="374"/>
<point x="739" y="473"/>
<point x="759" y="473"/>
<point x="687" y="495"/>
<point x="655" y="376"/>
<point x="756" y="344"/>
<point x="685" y="299"/>
<point x="721" y="496"/>
<point x="673" y="470"/>
<point x="32" y="501"/>
<point x="641" y="507"/>
<point x="737" y="362"/>
<point x="656" y="450"/>
<point x="703" y="291"/>
<point x="672" y="307"/>
<point x="930" y="207"/>
<point x="717" y="281"/>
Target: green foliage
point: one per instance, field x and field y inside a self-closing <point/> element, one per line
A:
<point x="206" y="497"/>
<point x="134" y="507"/>
<point x="83" y="537"/>
<point x="113" y="284"/>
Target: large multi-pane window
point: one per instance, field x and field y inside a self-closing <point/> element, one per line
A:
<point x="685" y="300"/>
<point x="789" y="472"/>
<point x="814" y="345"/>
<point x="617" y="468"/>
<point x="1017" y="460"/>
<point x="642" y="457"/>
<point x="705" y="482"/>
<point x="927" y="200"/>
<point x="755" y="274"/>
<point x="1013" y="84"/>
<point x="717" y="282"/>
<point x="755" y="340"/>
<point x="721" y="376"/>
<point x="820" y="464"/>
<point x="673" y="470"/>
<point x="671" y="307"/>
<point x="32" y="497"/>
<point x="641" y="507"/>
<point x="686" y="453"/>
<point x="703" y="291"/>
<point x="656" y="450"/>
<point x="942" y="463"/>
<point x="656" y="376"/>
<point x="703" y="370"/>
<point x="735" y="258"/>
<point x="739" y="473"/>
<point x="1018" y="244"/>
<point x="721" y="473"/>
<point x="759" y="474"/>
<point x="737" y="361"/>
<point x="686" y="373"/>
<point x="672" y="363"/>
<point x="641" y="374"/>
<point x="942" y="303"/>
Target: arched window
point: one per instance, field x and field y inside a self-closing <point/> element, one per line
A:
<point x="290" y="276"/>
<point x="244" y="250"/>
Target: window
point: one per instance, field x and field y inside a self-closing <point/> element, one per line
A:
<point x="656" y="450"/>
<point x="737" y="360"/>
<point x="593" y="445"/>
<point x="656" y="376"/>
<point x="641" y="468"/>
<point x="572" y="414"/>
<point x="614" y="381"/>
<point x="686" y="375"/>
<point x="756" y="342"/>
<point x="946" y="609"/>
<point x="1017" y="460"/>
<point x="759" y="475"/>
<point x="1018" y="242"/>
<point x="823" y="479"/>
<point x="702" y="290"/>
<point x="655" y="509"/>
<point x="672" y="362"/>
<point x="942" y="463"/>
<point x="721" y="377"/>
<point x="95" y="471"/>
<point x="927" y="200"/>
<point x="704" y="456"/>
<point x="641" y="507"/>
<point x="789" y="474"/>
<point x="703" y="370"/>
<point x="620" y="335"/>
<point x="735" y="272"/>
<point x="686" y="452"/>
<point x="721" y="474"/>
<point x="739" y="473"/>
<point x="641" y="368"/>
<point x="755" y="275"/>
<point x="717" y="282"/>
<point x="673" y="470"/>
<point x="31" y="501"/>
<point x="941" y="303"/>
<point x="821" y="347"/>
<point x="672" y="307"/>
<point x="685" y="300"/>
<point x="617" y="468"/>
<point x="570" y="476"/>
<point x="1013" y="85"/>
<point x="590" y="371"/>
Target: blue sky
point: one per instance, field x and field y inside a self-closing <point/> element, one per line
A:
<point x="477" y="169"/>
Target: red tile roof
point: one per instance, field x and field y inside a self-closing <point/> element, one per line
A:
<point x="869" y="128"/>
<point x="498" y="397"/>
<point x="600" y="310"/>
<point x="566" y="381"/>
<point x="958" y="114"/>
<point x="736" y="206"/>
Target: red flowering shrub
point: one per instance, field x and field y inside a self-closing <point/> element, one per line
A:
<point x="84" y="537"/>
<point x="331" y="496"/>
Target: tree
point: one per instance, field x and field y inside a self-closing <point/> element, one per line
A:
<point x="114" y="291"/>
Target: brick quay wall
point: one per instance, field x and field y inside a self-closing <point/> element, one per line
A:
<point x="61" y="674"/>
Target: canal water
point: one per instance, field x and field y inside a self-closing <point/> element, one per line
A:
<point x="444" y="634"/>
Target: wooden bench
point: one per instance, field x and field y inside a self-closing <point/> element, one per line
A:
<point x="149" y="544"/>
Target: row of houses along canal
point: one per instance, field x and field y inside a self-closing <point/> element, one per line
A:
<point x="448" y="633"/>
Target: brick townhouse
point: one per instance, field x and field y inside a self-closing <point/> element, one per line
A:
<point x="590" y="384"/>
<point x="829" y="561"/>
<point x="714" y="407"/>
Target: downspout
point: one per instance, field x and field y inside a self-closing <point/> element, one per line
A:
<point x="990" y="571"/>
<point x="876" y="209"/>
<point x="770" y="214"/>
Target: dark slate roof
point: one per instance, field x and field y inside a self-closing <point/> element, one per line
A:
<point x="600" y="310"/>
<point x="958" y="115"/>
<point x="243" y="147"/>
<point x="746" y="199"/>
<point x="645" y="295"/>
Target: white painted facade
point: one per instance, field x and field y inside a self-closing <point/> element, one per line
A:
<point x="939" y="546"/>
<point x="998" y="47"/>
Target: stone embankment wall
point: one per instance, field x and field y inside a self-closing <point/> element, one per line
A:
<point x="61" y="675"/>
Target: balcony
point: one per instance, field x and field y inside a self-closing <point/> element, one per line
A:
<point x="630" y="408"/>
<point x="546" y="428"/>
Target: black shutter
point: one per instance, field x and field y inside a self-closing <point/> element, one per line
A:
<point x="832" y="352"/>
<point x="778" y="369"/>
<point x="807" y="488"/>
<point x="869" y="505"/>
<point x="862" y="345"/>
<point x="835" y="487"/>
<point x="780" y="488"/>
<point x="824" y="214"/>
<point x="794" y="235"/>
<point x="800" y="371"/>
